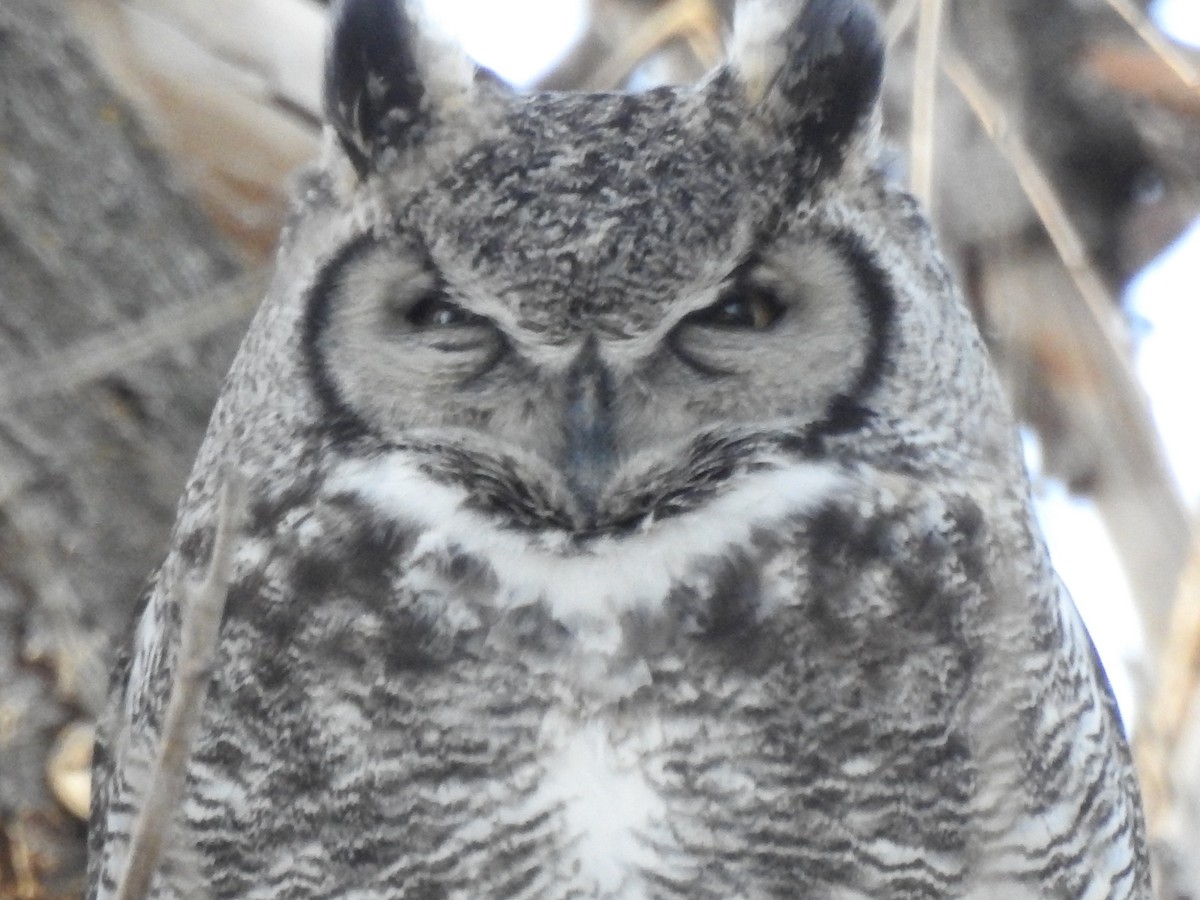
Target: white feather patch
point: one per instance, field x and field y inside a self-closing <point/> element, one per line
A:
<point x="756" y="50"/>
<point x="598" y="779"/>
<point x="448" y="72"/>
<point x="594" y="584"/>
<point x="607" y="803"/>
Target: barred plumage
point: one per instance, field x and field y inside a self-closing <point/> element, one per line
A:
<point x="634" y="514"/>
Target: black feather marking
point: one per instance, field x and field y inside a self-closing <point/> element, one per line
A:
<point x="195" y="547"/>
<point x="266" y="511"/>
<point x="341" y="421"/>
<point x="831" y="81"/>
<point x="851" y="411"/>
<point x="848" y="412"/>
<point x="374" y="93"/>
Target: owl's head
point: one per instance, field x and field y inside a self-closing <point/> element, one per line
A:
<point x="593" y="307"/>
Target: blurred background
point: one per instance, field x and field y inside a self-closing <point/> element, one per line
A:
<point x="146" y="152"/>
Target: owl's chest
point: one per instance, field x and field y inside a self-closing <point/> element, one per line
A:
<point x="612" y="730"/>
<point x="474" y="728"/>
<point x="727" y="722"/>
<point x="612" y="739"/>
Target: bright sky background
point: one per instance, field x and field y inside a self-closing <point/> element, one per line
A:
<point x="520" y="39"/>
<point x="1179" y="18"/>
<point x="1165" y="297"/>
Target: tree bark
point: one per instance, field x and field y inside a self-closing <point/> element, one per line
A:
<point x="94" y="238"/>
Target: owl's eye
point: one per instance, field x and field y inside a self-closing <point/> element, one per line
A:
<point x="747" y="308"/>
<point x="435" y="311"/>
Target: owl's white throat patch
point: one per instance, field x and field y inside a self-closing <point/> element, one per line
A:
<point x="599" y="580"/>
<point x="608" y="803"/>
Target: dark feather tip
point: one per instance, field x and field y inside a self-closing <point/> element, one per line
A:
<point x="373" y="89"/>
<point x="837" y="74"/>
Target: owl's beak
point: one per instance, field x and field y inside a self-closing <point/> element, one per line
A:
<point x="588" y="422"/>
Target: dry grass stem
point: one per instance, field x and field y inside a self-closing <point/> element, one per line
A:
<point x="1174" y="697"/>
<point x="1128" y="419"/>
<point x="921" y="145"/>
<point x="898" y="19"/>
<point x="1170" y="54"/>
<point x="1049" y="208"/>
<point x="113" y="351"/>
<point x="697" y="21"/>
<point x="203" y="606"/>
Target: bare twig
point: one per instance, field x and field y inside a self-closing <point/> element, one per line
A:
<point x="1041" y="194"/>
<point x="1160" y="44"/>
<point x="899" y="18"/>
<point x="1174" y="698"/>
<point x="113" y="351"/>
<point x="203" y="606"/>
<point x="1099" y="312"/>
<point x="924" y="100"/>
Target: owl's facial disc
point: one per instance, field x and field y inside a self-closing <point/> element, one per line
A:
<point x="426" y="353"/>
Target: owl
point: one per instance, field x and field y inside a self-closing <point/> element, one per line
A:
<point x="630" y="512"/>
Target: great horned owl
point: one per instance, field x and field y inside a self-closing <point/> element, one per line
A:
<point x="634" y="514"/>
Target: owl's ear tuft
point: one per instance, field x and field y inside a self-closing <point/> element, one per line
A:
<point x="814" y="68"/>
<point x="389" y="80"/>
